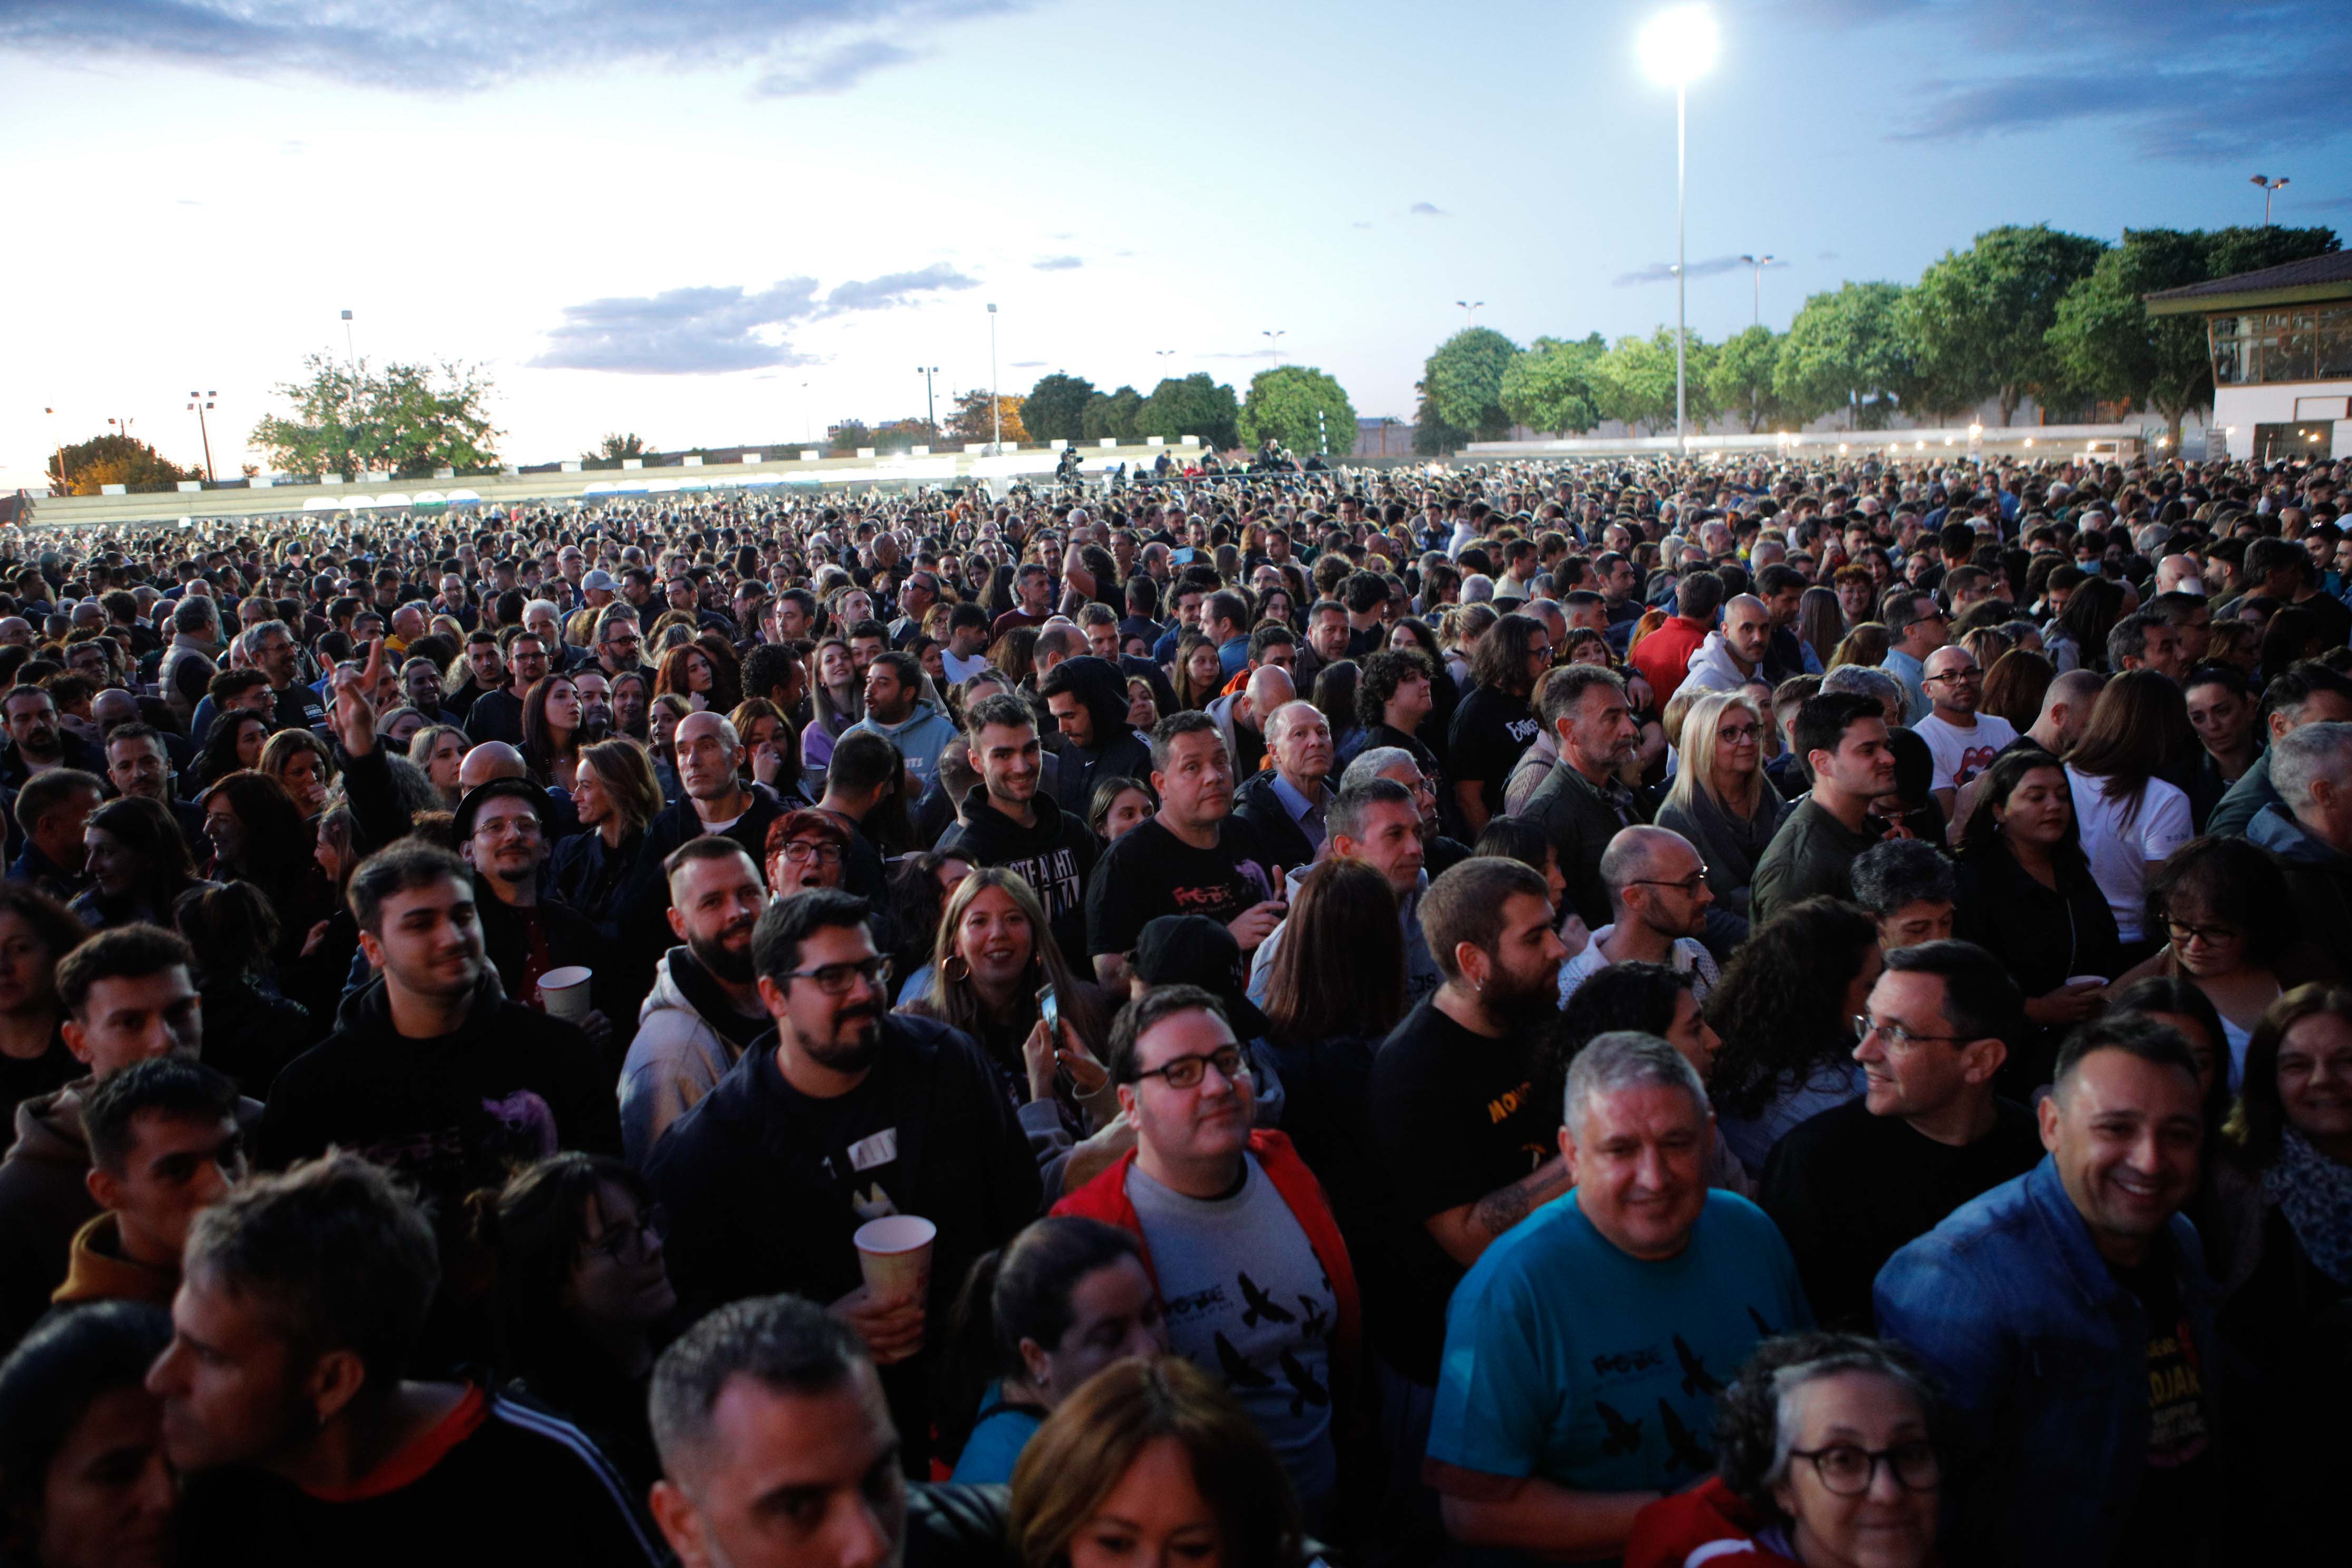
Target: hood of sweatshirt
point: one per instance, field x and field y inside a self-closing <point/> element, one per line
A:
<point x="49" y="1130"/>
<point x="368" y="1010"/>
<point x="923" y="714"/>
<point x="2276" y="830"/>
<point x="1098" y="684"/>
<point x="994" y="838"/>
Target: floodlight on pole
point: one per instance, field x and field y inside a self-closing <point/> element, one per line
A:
<point x="1760" y="263"/>
<point x="198" y="403"/>
<point x="930" y="404"/>
<point x="1677" y="46"/>
<point x="1274" y="343"/>
<point x="2270" y="188"/>
<point x="1470" y="308"/>
<point x="995" y="409"/>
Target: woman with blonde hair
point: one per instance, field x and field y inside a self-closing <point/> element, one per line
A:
<point x="1152" y="1461"/>
<point x="440" y="751"/>
<point x="1720" y="799"/>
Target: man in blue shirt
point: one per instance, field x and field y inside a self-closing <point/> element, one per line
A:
<point x="1584" y="1350"/>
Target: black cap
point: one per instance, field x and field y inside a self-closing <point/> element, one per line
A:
<point x="462" y="827"/>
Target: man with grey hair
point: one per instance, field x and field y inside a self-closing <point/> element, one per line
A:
<point x="1862" y="679"/>
<point x="1439" y="853"/>
<point x="1658" y="899"/>
<point x="188" y="664"/>
<point x="1376" y="821"/>
<point x="1585" y="1349"/>
<point x="1286" y="805"/>
<point x="2310" y="829"/>
<point x="269" y="647"/>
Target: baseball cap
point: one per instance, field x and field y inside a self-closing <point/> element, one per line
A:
<point x="599" y="578"/>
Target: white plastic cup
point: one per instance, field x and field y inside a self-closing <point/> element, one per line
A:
<point x="2074" y="980"/>
<point x="563" y="992"/>
<point x="894" y="1252"/>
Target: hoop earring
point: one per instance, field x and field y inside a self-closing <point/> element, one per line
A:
<point x="955" y="969"/>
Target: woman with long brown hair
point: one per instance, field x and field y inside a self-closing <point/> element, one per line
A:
<point x="686" y="671"/>
<point x="551" y="731"/>
<point x="2131" y="819"/>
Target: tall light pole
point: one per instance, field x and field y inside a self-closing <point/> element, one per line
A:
<point x="65" y="487"/>
<point x="1469" y="312"/>
<point x="1274" y="343"/>
<point x="1163" y="355"/>
<point x="2270" y="188"/>
<point x="352" y="358"/>
<point x="930" y="404"/>
<point x="1676" y="45"/>
<point x="198" y="403"/>
<point x="808" y="417"/>
<point x="995" y="409"/>
<point x="1760" y="263"/>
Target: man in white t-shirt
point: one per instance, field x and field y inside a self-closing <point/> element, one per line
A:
<point x="1964" y="741"/>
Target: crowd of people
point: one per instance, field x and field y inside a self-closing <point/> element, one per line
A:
<point x="1797" y="1011"/>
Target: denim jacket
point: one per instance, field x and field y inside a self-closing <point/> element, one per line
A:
<point x="2043" y="1354"/>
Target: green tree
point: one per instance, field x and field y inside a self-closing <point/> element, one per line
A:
<point x="616" y="446"/>
<point x="1299" y="406"/>
<point x="1432" y="437"/>
<point x="1056" y="409"/>
<point x="1977" y="324"/>
<point x="1195" y="406"/>
<point x="2108" y="346"/>
<point x="1464" y="382"/>
<point x="846" y="438"/>
<point x="125" y="460"/>
<point x="1739" y="382"/>
<point x="408" y="420"/>
<point x="1550" y="387"/>
<point x="1112" y="414"/>
<point x="1842" y="352"/>
<point x="1636" y="381"/>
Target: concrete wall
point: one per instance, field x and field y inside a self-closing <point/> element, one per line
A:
<point x="2013" y="440"/>
<point x="2238" y="409"/>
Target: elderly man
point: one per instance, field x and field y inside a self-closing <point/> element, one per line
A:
<point x="293" y="706"/>
<point x="2067" y="1315"/>
<point x="1586" y="1347"/>
<point x="1285" y="805"/>
<point x="2310" y="829"/>
<point x="1658" y="899"/>
<point x="1213" y="1202"/>
<point x="1734" y="656"/>
<point x="1963" y="740"/>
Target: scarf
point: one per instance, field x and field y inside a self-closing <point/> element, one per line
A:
<point x="2315" y="1195"/>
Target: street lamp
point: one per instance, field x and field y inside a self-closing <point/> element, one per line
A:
<point x="1470" y="308"/>
<point x="1677" y="46"/>
<point x="2270" y="188"/>
<point x="1760" y="263"/>
<point x="198" y="403"/>
<point x="930" y="404"/>
<point x="995" y="409"/>
<point x="1274" y="343"/>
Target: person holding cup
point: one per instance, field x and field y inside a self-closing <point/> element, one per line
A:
<point x="501" y="830"/>
<point x="845" y="1114"/>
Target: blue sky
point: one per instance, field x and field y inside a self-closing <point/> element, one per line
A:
<point x="719" y="221"/>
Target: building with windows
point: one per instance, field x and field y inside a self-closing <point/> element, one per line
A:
<point x="2282" y="344"/>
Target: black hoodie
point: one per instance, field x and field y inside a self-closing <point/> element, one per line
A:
<point x="450" y="1113"/>
<point x="1054" y="857"/>
<point x="1118" y="750"/>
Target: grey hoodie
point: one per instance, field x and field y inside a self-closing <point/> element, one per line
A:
<point x="675" y="1058"/>
<point x="920" y="737"/>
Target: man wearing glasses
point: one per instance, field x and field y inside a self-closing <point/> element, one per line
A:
<point x="846" y="1113"/>
<point x="1853" y="1184"/>
<point x="1658" y="899"/>
<point x="1235" y="1229"/>
<point x="1963" y="740"/>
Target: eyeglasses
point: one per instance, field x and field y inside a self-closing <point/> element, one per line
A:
<point x="1896" y="1036"/>
<point x="1186" y="1071"/>
<point x="1740" y="732"/>
<point x="837" y="979"/>
<point x="1847" y="1469"/>
<point x="806" y="850"/>
<point x="2212" y="936"/>
<point x="636" y="1237"/>
<point x="1690" y="884"/>
<point x="507" y="827"/>
<point x="1960" y="675"/>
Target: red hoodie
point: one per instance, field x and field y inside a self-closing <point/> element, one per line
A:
<point x="1673" y="1530"/>
<point x="1105" y="1198"/>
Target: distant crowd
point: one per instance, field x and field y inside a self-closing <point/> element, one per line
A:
<point x="1795" y="1011"/>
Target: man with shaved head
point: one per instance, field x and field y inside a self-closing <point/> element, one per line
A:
<point x="1963" y="741"/>
<point x="1734" y="656"/>
<point x="2065" y="711"/>
<point x="1241" y="715"/>
<point x="1658" y="899"/>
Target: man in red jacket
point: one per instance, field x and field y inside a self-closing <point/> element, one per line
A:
<point x="1663" y="656"/>
<point x="1235" y="1231"/>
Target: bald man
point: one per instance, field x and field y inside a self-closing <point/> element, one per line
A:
<point x="1733" y="656"/>
<point x="1963" y="741"/>
<point x="1658" y="899"/>
<point x="2066" y="711"/>
<point x="1238" y="715"/>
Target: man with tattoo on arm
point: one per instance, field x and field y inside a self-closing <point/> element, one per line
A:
<point x="1469" y="1149"/>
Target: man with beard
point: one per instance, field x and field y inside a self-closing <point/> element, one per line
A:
<point x="435" y="1072"/>
<point x="1087" y="697"/>
<point x="1007" y="821"/>
<point x="705" y="1006"/>
<point x="1583" y="803"/>
<point x="1468" y="1143"/>
<point x="846" y="1114"/>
